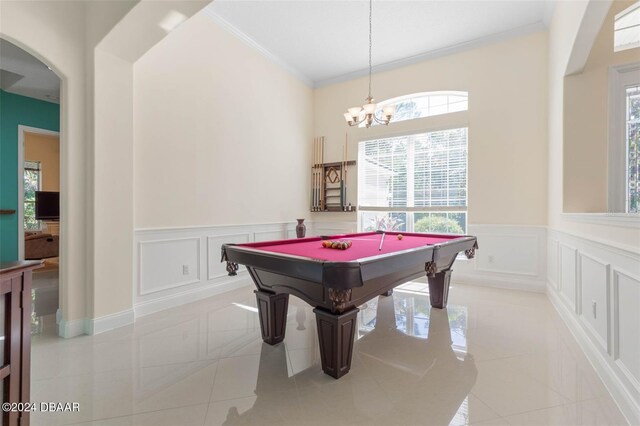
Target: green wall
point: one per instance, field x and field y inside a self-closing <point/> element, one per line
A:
<point x="16" y="110"/>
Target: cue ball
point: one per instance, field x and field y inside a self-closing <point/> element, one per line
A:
<point x="399" y="236"/>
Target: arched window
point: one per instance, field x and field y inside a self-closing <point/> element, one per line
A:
<point x="425" y="104"/>
<point x="626" y="33"/>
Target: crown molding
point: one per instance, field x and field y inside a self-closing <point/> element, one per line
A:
<point x="426" y="56"/>
<point x="246" y="39"/>
<point x="438" y="53"/>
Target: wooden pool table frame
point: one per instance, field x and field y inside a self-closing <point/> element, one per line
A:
<point x="335" y="289"/>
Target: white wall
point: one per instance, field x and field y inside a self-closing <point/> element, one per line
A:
<point x="507" y="85"/>
<point x="222" y="135"/>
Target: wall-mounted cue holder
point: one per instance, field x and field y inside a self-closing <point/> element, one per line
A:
<point x="333" y="188"/>
<point x="328" y="181"/>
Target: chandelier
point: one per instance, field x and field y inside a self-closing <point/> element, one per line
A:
<point x="367" y="113"/>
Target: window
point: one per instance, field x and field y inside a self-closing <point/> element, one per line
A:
<point x="32" y="183"/>
<point x="632" y="118"/>
<point x="624" y="139"/>
<point x="414" y="183"/>
<point x="427" y="104"/>
<point x="626" y="29"/>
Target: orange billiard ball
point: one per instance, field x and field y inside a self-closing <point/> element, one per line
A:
<point x="399" y="236"/>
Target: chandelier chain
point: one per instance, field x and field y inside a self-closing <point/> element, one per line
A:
<point x="370" y="42"/>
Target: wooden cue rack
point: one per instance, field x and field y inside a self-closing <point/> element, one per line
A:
<point x="328" y="181"/>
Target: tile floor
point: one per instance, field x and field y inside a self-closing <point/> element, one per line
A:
<point x="493" y="357"/>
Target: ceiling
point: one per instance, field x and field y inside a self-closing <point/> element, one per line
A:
<point x="325" y="41"/>
<point x="23" y="74"/>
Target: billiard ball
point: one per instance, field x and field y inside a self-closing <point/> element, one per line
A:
<point x="399" y="236"/>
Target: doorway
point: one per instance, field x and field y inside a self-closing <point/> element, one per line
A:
<point x="30" y="93"/>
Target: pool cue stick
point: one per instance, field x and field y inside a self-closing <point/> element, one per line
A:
<point x="323" y="201"/>
<point x="346" y="160"/>
<point x="315" y="174"/>
<point x="381" y="241"/>
<point x="315" y="201"/>
<point x="313" y="144"/>
<point x="342" y="180"/>
<point x="318" y="175"/>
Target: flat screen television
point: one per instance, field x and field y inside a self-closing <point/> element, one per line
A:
<point x="47" y="205"/>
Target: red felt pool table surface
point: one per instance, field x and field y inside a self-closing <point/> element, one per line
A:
<point x="363" y="245"/>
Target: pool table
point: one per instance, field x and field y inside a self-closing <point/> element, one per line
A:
<point x="336" y="281"/>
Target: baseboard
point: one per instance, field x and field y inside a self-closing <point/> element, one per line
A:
<point x="171" y="301"/>
<point x="110" y="322"/>
<point x="496" y="281"/>
<point x="616" y="388"/>
<point x="72" y="328"/>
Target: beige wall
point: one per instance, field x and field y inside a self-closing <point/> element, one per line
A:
<point x="586" y="121"/>
<point x="562" y="35"/>
<point x="507" y="119"/>
<point x="221" y="135"/>
<point x="46" y="150"/>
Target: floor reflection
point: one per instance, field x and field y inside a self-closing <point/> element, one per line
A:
<point x="421" y="351"/>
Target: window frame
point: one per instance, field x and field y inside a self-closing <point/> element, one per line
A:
<point x="620" y="77"/>
<point x="398" y="99"/>
<point x="634" y="8"/>
<point x="24" y="201"/>
<point x="410" y="211"/>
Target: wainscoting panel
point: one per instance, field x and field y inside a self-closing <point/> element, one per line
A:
<point x="174" y="266"/>
<point x="626" y="310"/>
<point x="606" y="318"/>
<point x="498" y="254"/>
<point x="594" y="306"/>
<point x="509" y="256"/>
<point x="552" y="262"/>
<point x="568" y="274"/>
<point x="168" y="263"/>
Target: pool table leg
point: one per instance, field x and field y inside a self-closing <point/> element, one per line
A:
<point x="335" y="335"/>
<point x="439" y="288"/>
<point x="272" y="311"/>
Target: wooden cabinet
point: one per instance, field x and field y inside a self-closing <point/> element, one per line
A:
<point x="15" y="325"/>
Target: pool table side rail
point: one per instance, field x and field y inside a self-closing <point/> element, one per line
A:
<point x="340" y="275"/>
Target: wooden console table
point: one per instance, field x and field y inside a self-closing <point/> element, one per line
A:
<point x="15" y="351"/>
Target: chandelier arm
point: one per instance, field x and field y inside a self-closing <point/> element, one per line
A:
<point x="358" y="122"/>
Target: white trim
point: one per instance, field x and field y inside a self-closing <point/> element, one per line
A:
<point x="620" y="76"/>
<point x="110" y="322"/>
<point x="200" y="227"/>
<point x="435" y="54"/>
<point x="627" y="220"/>
<point x="72" y="328"/>
<point x="189" y="296"/>
<point x="629" y="251"/>
<point x="494" y="281"/>
<point x="249" y="41"/>
<point x="21" y="131"/>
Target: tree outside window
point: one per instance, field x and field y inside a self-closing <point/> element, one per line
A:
<point x="32" y="183"/>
